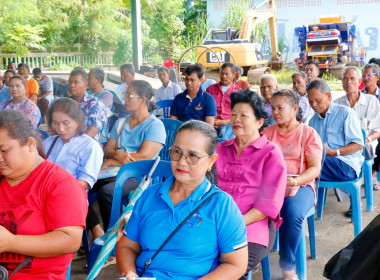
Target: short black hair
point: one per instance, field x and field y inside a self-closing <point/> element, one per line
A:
<point x="129" y="67"/>
<point x="194" y="68"/>
<point x="163" y="68"/>
<point x="24" y="65"/>
<point x="37" y="71"/>
<point x="250" y="97"/>
<point x="11" y="71"/>
<point x="312" y="62"/>
<point x="79" y="71"/>
<point x="229" y="64"/>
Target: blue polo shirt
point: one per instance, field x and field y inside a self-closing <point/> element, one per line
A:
<point x="201" y="106"/>
<point x="218" y="227"/>
<point x="340" y="127"/>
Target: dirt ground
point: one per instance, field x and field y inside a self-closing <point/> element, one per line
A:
<point x="333" y="233"/>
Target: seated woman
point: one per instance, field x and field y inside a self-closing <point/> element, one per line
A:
<point x="302" y="149"/>
<point x="20" y="102"/>
<point x="74" y="150"/>
<point x="252" y="170"/>
<point x="43" y="207"/>
<point x="137" y="137"/>
<point x="211" y="245"/>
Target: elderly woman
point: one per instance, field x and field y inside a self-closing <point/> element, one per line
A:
<point x="74" y="150"/>
<point x="211" y="244"/>
<point x="137" y="137"/>
<point x="43" y="207"/>
<point x="252" y="170"/>
<point x="299" y="86"/>
<point x="302" y="149"/>
<point x="20" y="102"/>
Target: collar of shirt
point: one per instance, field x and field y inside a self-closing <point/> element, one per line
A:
<point x="185" y="94"/>
<point x="377" y="92"/>
<point x="329" y="111"/>
<point x="170" y="85"/>
<point x="197" y="194"/>
<point x="257" y="144"/>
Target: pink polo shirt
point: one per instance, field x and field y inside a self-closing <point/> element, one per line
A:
<point x="255" y="179"/>
<point x="223" y="101"/>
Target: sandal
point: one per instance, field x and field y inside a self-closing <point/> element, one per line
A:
<point x="110" y="261"/>
<point x="290" y="275"/>
<point x="376" y="187"/>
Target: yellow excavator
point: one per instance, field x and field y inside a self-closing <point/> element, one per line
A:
<point x="238" y="45"/>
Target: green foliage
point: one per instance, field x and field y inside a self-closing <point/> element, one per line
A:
<point x="235" y="13"/>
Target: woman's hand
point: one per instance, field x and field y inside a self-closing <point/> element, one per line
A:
<point x="5" y="239"/>
<point x="129" y="274"/>
<point x="291" y="182"/>
<point x="124" y="157"/>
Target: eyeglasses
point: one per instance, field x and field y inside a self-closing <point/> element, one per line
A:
<point x="191" y="157"/>
<point x="369" y="76"/>
<point x="128" y="95"/>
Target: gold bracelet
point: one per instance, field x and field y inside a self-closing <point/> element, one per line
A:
<point x="295" y="182"/>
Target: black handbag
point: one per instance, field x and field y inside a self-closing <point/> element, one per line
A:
<point x="360" y="259"/>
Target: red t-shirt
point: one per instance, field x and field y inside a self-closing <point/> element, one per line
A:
<point x="223" y="101"/>
<point x="48" y="199"/>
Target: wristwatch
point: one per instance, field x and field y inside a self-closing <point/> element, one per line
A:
<point x="337" y="152"/>
<point x="369" y="139"/>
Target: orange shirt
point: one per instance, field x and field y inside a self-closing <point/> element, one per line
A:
<point x="32" y="87"/>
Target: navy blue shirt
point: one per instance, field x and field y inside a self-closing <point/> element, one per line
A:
<point x="201" y="106"/>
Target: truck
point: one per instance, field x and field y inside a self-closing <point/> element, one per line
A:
<point x="330" y="42"/>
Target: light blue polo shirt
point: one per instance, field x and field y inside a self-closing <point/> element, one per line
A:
<point x="340" y="127"/>
<point x="218" y="227"/>
<point x="201" y="106"/>
<point x="82" y="156"/>
<point x="151" y="129"/>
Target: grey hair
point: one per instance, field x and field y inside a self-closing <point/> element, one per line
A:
<point x="99" y="74"/>
<point x="319" y="84"/>
<point x="79" y="71"/>
<point x="375" y="68"/>
<point x="350" y="68"/>
<point x="239" y="69"/>
<point x="267" y="76"/>
<point x="301" y="73"/>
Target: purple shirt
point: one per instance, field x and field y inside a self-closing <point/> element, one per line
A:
<point x="255" y="179"/>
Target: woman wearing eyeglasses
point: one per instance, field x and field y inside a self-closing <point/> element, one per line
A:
<point x="211" y="244"/>
<point x="302" y="150"/>
<point x="137" y="137"/>
<point x="252" y="170"/>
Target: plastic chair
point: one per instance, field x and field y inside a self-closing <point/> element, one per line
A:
<point x="367" y="174"/>
<point x="221" y="139"/>
<point x="171" y="127"/>
<point x="55" y="88"/>
<point x="44" y="134"/>
<point x="136" y="169"/>
<point x="64" y="90"/>
<point x="265" y="267"/>
<point x="68" y="274"/>
<point x="163" y="110"/>
<point x="353" y="187"/>
<point x="229" y="134"/>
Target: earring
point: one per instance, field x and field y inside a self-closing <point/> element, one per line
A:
<point x="209" y="169"/>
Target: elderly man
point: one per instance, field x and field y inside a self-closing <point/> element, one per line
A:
<point x="127" y="75"/>
<point x="46" y="91"/>
<point x="93" y="108"/>
<point x="370" y="79"/>
<point x="95" y="82"/>
<point x="268" y="86"/>
<point x="4" y="91"/>
<point x="339" y="128"/>
<point x="168" y="90"/>
<point x="311" y="70"/>
<point x="299" y="86"/>
<point x="32" y="86"/>
<point x="194" y="103"/>
<point x="241" y="83"/>
<point x="221" y="92"/>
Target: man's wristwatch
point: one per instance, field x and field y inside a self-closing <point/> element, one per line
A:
<point x="369" y="139"/>
<point x="337" y="152"/>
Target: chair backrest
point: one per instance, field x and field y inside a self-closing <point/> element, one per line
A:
<point x="44" y="134"/>
<point x="163" y="110"/>
<point x="55" y="88"/>
<point x="364" y="139"/>
<point x="229" y="134"/>
<point x="64" y="90"/>
<point x="136" y="169"/>
<point x="171" y="127"/>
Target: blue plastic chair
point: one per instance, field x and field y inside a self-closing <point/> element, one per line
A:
<point x="44" y="134"/>
<point x="229" y="134"/>
<point x="367" y="174"/>
<point x="64" y="90"/>
<point x="55" y="88"/>
<point x="171" y="127"/>
<point x="353" y="187"/>
<point x="136" y="169"/>
<point x="68" y="274"/>
<point x="163" y="110"/>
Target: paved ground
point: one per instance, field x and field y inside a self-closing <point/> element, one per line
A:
<point x="333" y="232"/>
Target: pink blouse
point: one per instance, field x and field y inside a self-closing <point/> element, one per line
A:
<point x="255" y="179"/>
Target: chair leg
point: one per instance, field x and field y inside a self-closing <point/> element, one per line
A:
<point x="356" y="211"/>
<point x="311" y="224"/>
<point x="321" y="201"/>
<point x="276" y="245"/>
<point x="301" y="256"/>
<point x="367" y="172"/>
<point x="265" y="266"/>
<point x="86" y="246"/>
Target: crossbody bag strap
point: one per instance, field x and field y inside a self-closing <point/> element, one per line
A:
<point x="120" y="128"/>
<point x="6" y="104"/>
<point x="148" y="262"/>
<point x="52" y="146"/>
<point x="302" y="147"/>
<point x="21" y="265"/>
